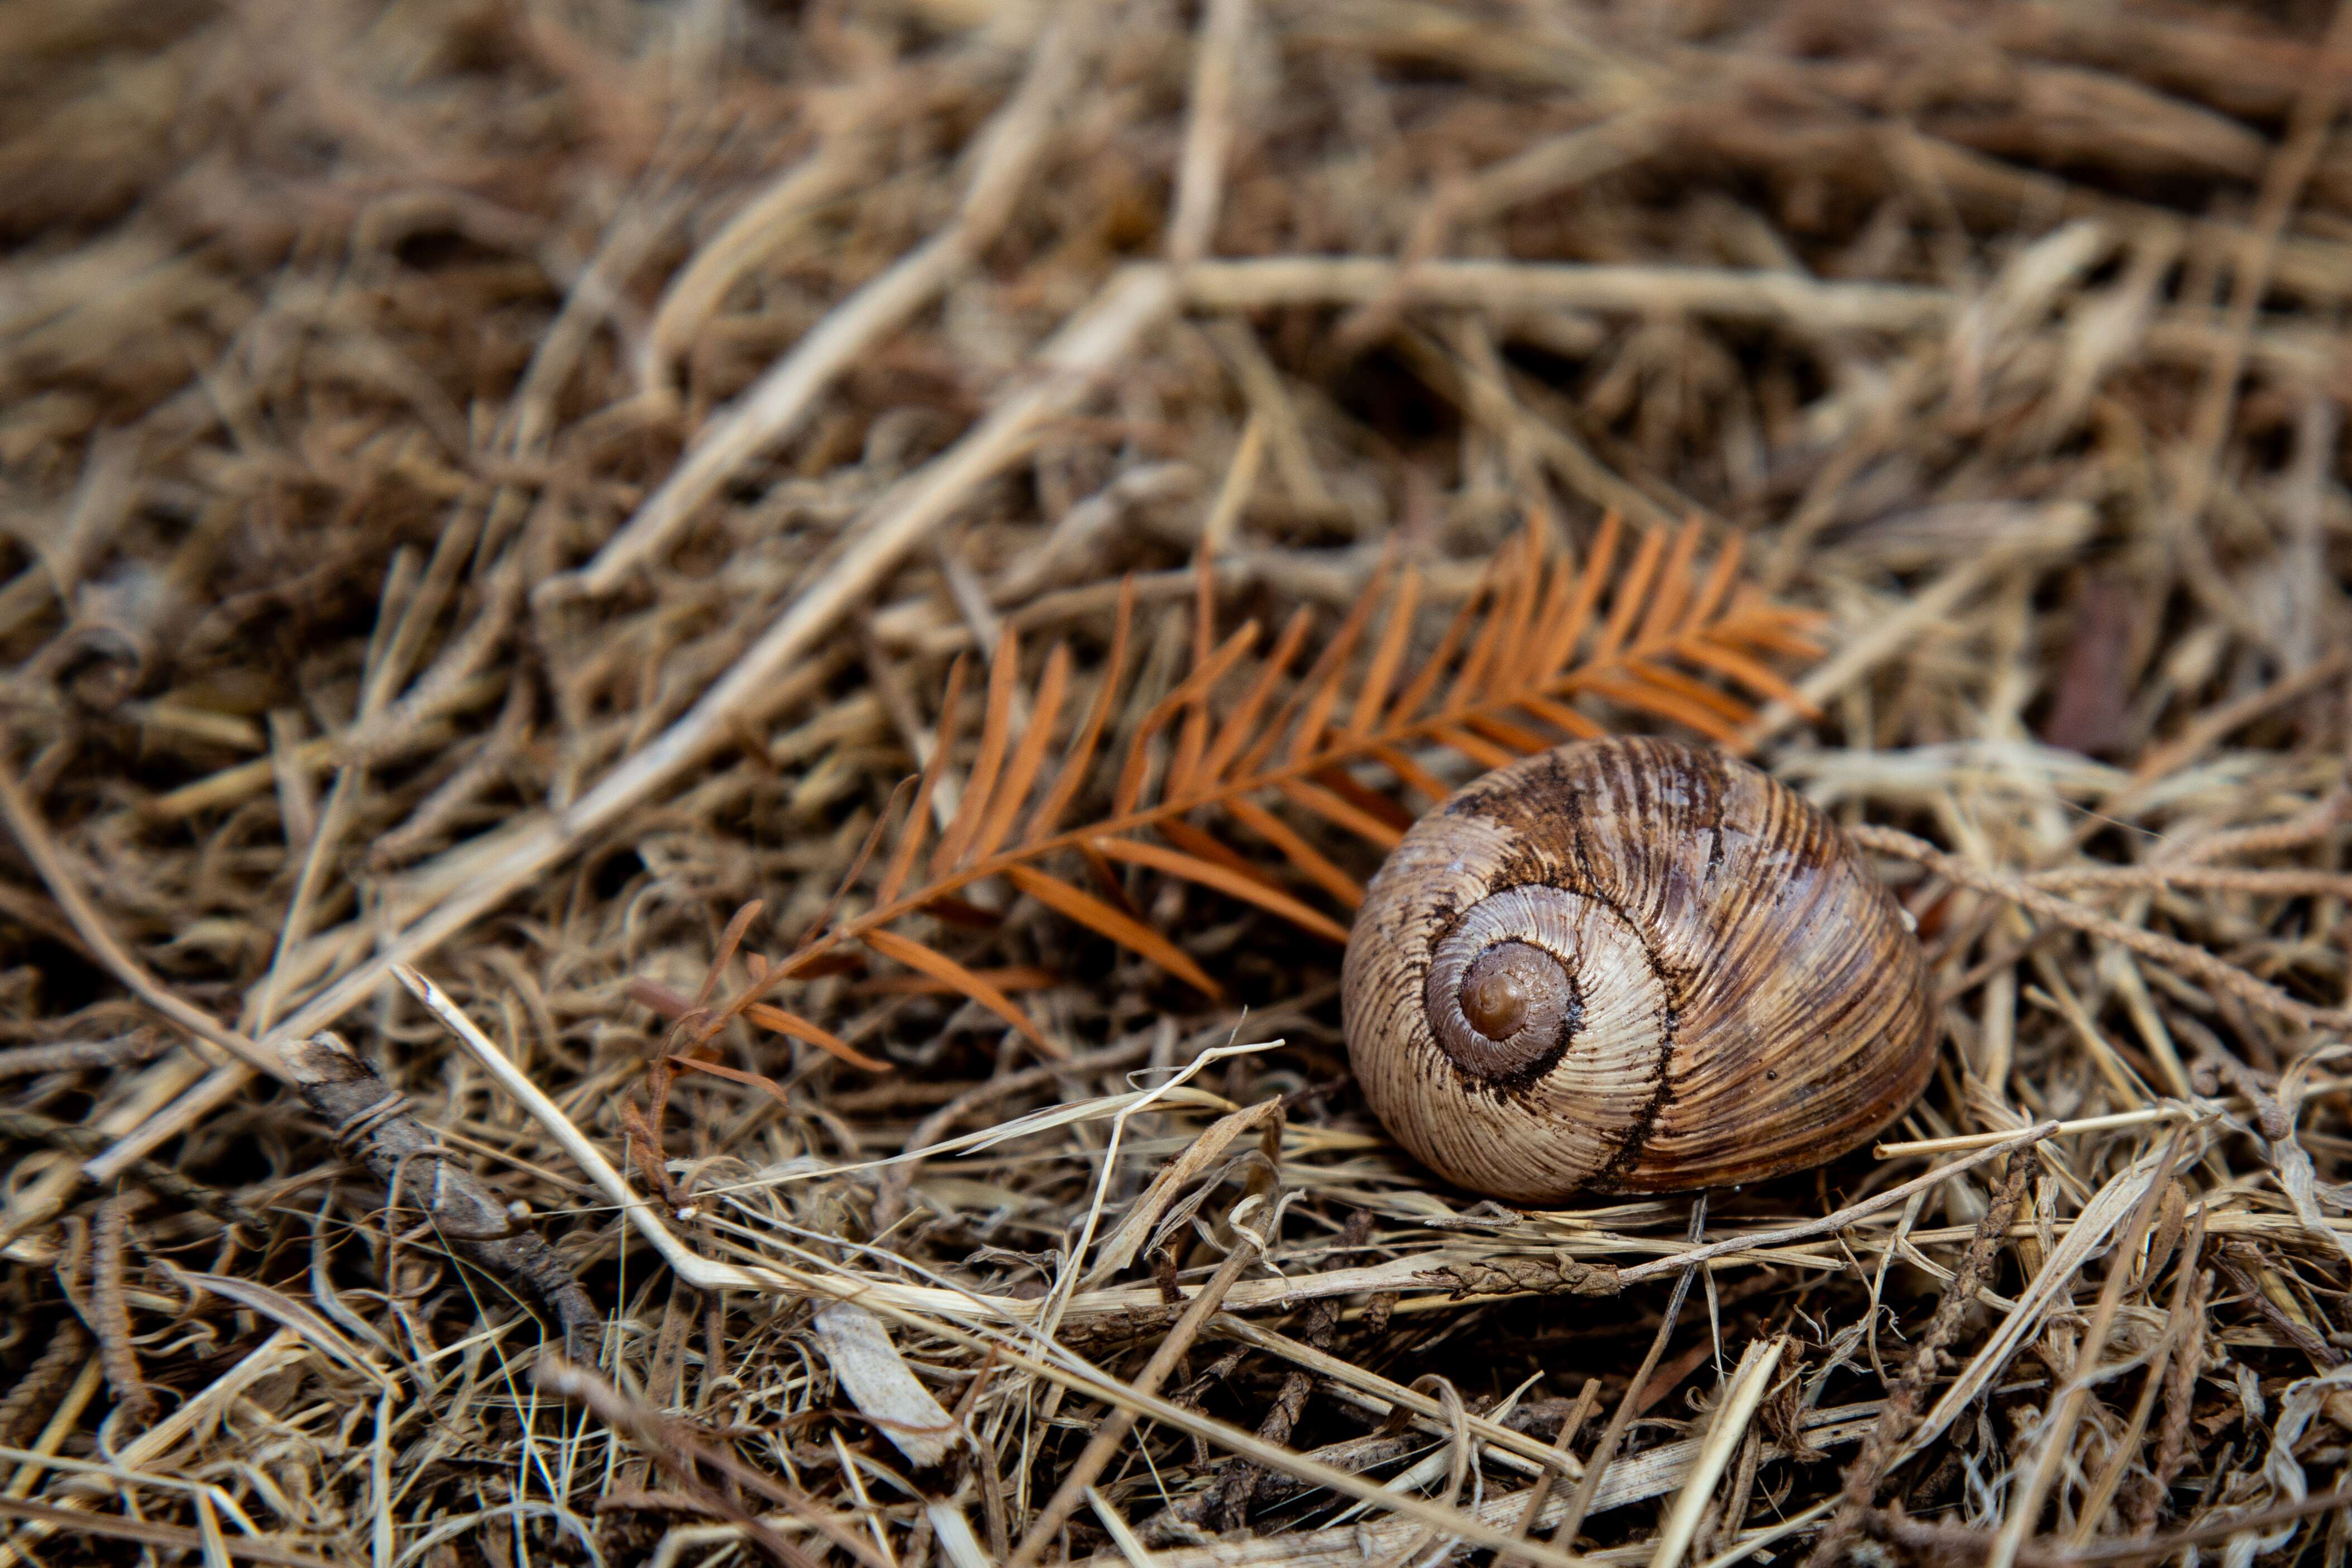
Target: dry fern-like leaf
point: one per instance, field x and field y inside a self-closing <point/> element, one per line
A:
<point x="1204" y="770"/>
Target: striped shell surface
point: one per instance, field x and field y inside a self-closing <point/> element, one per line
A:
<point x="1630" y="965"/>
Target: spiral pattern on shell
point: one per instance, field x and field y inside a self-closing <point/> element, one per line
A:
<point x="1630" y="965"/>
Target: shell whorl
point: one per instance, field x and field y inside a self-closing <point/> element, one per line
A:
<point x="1630" y="965"/>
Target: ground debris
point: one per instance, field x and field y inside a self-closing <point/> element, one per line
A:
<point x="372" y="1120"/>
<point x="864" y="586"/>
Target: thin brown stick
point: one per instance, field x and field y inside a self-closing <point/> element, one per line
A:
<point x="1227" y="1504"/>
<point x="1580" y="1502"/>
<point x="2058" y="1437"/>
<point x="2168" y="951"/>
<point x="371" y="1119"/>
<point x="110" y="1315"/>
<point x="675" y="1447"/>
<point x="196" y="1543"/>
<point x="1587" y="1398"/>
<point x="1869" y="1467"/>
<point x="33" y="837"/>
<point x="1113" y="1433"/>
<point x="773" y="407"/>
<point x="21" y="1406"/>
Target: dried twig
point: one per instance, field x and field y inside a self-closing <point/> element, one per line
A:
<point x="77" y="1055"/>
<point x="676" y="1447"/>
<point x="160" y="1179"/>
<point x="33" y="837"/>
<point x="1863" y="1475"/>
<point x="1113" y="1433"/>
<point x="372" y="1120"/>
<point x="2168" y="951"/>
<point x="38" y="1383"/>
<point x="768" y="412"/>
<point x="111" y="1318"/>
<point x="1227" y="1504"/>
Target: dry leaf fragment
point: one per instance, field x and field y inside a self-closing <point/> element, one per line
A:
<point x="876" y="1378"/>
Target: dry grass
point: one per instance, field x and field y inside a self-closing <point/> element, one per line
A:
<point x="495" y="492"/>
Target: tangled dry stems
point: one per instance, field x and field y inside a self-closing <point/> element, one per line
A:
<point x="503" y="491"/>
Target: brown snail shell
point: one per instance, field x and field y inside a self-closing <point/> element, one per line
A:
<point x="1630" y="965"/>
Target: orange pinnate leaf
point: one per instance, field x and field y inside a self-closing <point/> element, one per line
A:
<point x="1563" y="718"/>
<point x="1195" y="840"/>
<point x="1323" y="683"/>
<point x="1233" y="883"/>
<point x="1649" y="698"/>
<point x="800" y="1028"/>
<point x="1515" y="737"/>
<point x="1003" y="672"/>
<point x="1341" y="783"/>
<point x="1769" y="626"/>
<point x="728" y="941"/>
<point x="1192" y="733"/>
<point x="1674" y="586"/>
<point x="872" y="841"/>
<point x="1311" y="862"/>
<point x="1630" y="596"/>
<point x="1074" y="903"/>
<point x="1411" y="774"/>
<point x="1139" y="758"/>
<point x="1467" y="680"/>
<point x="1021" y="773"/>
<point x="736" y="1075"/>
<point x="1479" y="750"/>
<point x="1528" y="658"/>
<point x="1242" y="723"/>
<point x="1076" y="766"/>
<point x="952" y="908"/>
<point x="1730" y="709"/>
<point x="1560" y="641"/>
<point x="1757" y="678"/>
<point x="1340" y="813"/>
<point x="1105" y="876"/>
<point x="1381" y="675"/>
<point x="964" y="982"/>
<point x="919" y="817"/>
<point x="1523" y="585"/>
<point x="1007" y="979"/>
<point x="1717" y="585"/>
<point x="1248" y="743"/>
<point x="1416" y="697"/>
